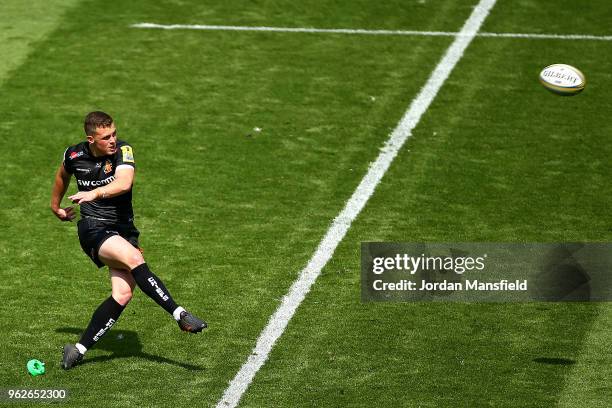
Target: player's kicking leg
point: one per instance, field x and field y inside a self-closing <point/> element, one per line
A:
<point x="118" y="253"/>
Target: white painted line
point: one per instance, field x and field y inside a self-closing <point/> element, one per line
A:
<point x="341" y="224"/>
<point x="548" y="36"/>
<point x="290" y="30"/>
<point x="371" y="32"/>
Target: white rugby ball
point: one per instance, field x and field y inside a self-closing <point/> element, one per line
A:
<point x="563" y="79"/>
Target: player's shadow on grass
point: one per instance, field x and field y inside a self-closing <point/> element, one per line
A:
<point x="123" y="344"/>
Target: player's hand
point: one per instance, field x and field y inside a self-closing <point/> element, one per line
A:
<point x="65" y="214"/>
<point x="83" y="197"/>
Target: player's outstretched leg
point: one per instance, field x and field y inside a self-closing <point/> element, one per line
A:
<point x="150" y="284"/>
<point x="116" y="252"/>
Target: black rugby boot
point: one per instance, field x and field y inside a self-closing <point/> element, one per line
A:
<point x="190" y="323"/>
<point x="72" y="356"/>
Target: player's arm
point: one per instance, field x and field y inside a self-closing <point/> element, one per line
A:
<point x="60" y="185"/>
<point x="124" y="177"/>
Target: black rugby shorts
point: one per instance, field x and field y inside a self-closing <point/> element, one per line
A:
<point x="93" y="233"/>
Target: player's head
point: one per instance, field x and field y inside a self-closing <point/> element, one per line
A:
<point x="101" y="133"/>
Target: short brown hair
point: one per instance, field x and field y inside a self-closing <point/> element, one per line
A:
<point x="95" y="120"/>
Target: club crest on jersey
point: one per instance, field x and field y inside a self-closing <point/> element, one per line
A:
<point x="108" y="167"/>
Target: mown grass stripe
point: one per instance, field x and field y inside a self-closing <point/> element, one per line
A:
<point x="22" y="27"/>
<point x="341" y="224"/>
<point x="588" y="385"/>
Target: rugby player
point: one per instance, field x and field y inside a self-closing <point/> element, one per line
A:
<point x="103" y="167"/>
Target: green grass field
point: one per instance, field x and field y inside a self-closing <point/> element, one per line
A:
<point x="229" y="216"/>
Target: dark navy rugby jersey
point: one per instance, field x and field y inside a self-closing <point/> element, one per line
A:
<point x="93" y="172"/>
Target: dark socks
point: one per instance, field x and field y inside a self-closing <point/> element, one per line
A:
<point x="153" y="287"/>
<point x="102" y="320"/>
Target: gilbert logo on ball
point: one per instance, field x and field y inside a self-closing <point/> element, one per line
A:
<point x="563" y="79"/>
